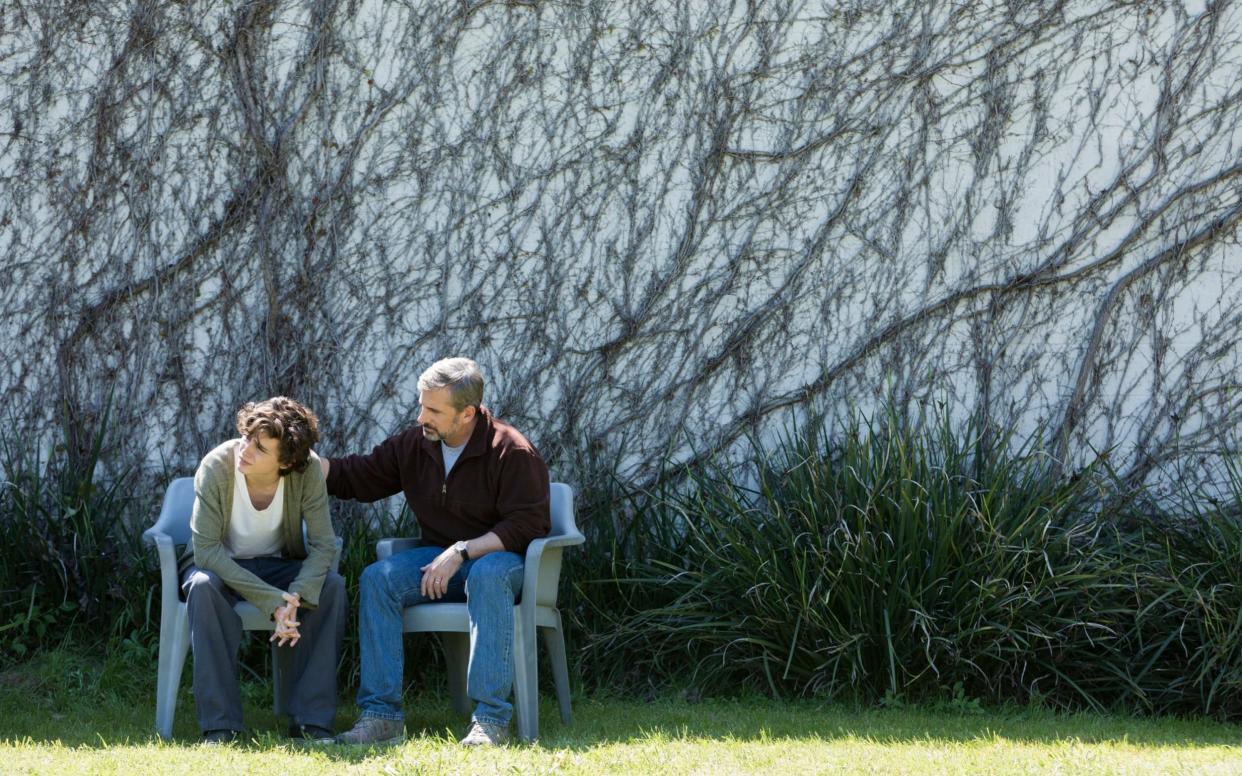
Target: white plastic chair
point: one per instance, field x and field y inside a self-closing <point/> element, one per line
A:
<point x="172" y="529"/>
<point x="535" y="611"/>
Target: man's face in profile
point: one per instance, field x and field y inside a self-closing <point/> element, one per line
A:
<point x="440" y="421"/>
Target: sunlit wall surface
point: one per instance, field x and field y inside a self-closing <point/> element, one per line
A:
<point x="659" y="226"/>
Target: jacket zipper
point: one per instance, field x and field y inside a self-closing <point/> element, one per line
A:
<point x="444" y="482"/>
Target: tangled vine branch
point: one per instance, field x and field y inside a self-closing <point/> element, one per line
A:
<point x="659" y="225"/>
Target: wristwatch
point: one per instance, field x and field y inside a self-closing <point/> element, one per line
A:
<point x="463" y="550"/>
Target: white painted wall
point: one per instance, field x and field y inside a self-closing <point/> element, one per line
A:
<point x="658" y="225"/>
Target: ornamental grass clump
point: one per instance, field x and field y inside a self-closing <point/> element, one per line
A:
<point x="1187" y="635"/>
<point x="72" y="566"/>
<point x="886" y="563"/>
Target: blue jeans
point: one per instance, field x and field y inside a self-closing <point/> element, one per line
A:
<point x="489" y="585"/>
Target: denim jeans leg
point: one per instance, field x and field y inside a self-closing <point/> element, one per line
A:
<point x="493" y="583"/>
<point x="386" y="588"/>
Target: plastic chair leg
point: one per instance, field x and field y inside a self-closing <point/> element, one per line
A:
<point x="174" y="646"/>
<point x="554" y="642"/>
<point x="525" y="682"/>
<point x="457" y="665"/>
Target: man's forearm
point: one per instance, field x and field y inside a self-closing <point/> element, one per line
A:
<point x="437" y="573"/>
<point x="484" y="545"/>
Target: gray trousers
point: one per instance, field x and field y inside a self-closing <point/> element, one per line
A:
<point x="216" y="631"/>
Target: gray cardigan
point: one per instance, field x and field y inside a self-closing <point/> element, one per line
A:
<point x="306" y="499"/>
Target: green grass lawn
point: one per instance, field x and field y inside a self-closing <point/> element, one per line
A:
<point x="65" y="714"/>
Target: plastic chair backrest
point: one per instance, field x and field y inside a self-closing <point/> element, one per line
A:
<point x="562" y="509"/>
<point x="563" y="525"/>
<point x="175" y="514"/>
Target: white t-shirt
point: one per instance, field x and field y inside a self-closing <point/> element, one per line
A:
<point x="255" y="533"/>
<point x="451" y="454"/>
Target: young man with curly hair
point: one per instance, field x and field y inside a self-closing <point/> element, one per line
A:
<point x="260" y="532"/>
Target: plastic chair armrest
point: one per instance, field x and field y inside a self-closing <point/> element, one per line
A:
<point x="534" y="551"/>
<point x="534" y="557"/>
<point x="387" y="547"/>
<point x="558" y="540"/>
<point x="166" y="551"/>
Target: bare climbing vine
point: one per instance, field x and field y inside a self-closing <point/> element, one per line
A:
<point x="659" y="226"/>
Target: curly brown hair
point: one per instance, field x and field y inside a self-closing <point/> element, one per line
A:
<point x="286" y="420"/>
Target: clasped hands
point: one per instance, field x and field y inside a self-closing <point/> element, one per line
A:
<point x="286" y="617"/>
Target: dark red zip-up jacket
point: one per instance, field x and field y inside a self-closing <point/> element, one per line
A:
<point x="499" y="484"/>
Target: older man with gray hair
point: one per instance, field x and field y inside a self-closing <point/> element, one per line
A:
<point x="480" y="493"/>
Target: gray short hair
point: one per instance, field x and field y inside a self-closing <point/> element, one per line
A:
<point x="460" y="375"/>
